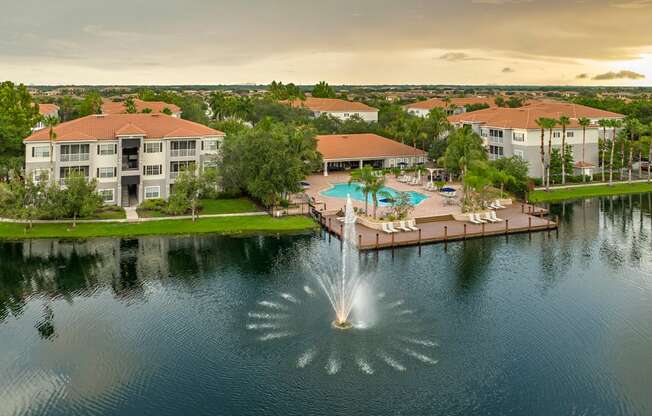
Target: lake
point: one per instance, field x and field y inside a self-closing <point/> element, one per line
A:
<point x="540" y="325"/>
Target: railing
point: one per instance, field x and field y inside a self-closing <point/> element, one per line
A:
<point x="74" y="157"/>
<point x="182" y="152"/>
<point x="62" y="181"/>
<point x="130" y="165"/>
<point x="174" y="175"/>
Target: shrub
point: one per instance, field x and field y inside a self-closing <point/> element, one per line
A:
<point x="156" y="204"/>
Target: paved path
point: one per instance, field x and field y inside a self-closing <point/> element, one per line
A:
<point x="132" y="214"/>
<point x="580" y="185"/>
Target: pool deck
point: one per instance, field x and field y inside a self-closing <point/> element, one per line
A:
<point x="434" y="218"/>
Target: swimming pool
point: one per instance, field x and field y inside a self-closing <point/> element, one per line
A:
<point x="341" y="190"/>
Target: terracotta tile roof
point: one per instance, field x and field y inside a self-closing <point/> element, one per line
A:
<point x="330" y="104"/>
<point x="107" y="127"/>
<point x="47" y="109"/>
<point x="111" y="107"/>
<point x="366" y="145"/>
<point x="459" y="102"/>
<point x="525" y="117"/>
<point x="130" y="129"/>
<point x="581" y="164"/>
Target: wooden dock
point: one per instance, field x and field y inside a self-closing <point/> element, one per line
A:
<point x="518" y="218"/>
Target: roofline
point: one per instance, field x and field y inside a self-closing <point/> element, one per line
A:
<point x="372" y="157"/>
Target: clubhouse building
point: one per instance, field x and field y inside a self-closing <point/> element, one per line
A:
<point x="351" y="151"/>
<point x="133" y="156"/>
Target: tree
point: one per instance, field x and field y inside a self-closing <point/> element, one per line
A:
<point x="551" y="125"/>
<point x="647" y="143"/>
<point x="189" y="188"/>
<point x="18" y="114"/>
<point x="614" y="124"/>
<point x="546" y="124"/>
<point x="50" y="122"/>
<point x="559" y="163"/>
<point x="278" y="91"/>
<point x="500" y="101"/>
<point x="563" y="122"/>
<point x="584" y="122"/>
<point x="635" y="129"/>
<point x="365" y="178"/>
<point x="91" y="104"/>
<point x="604" y="123"/>
<point x="130" y="106"/>
<point x="516" y="169"/>
<point x="81" y="197"/>
<point x="401" y="205"/>
<point x="269" y="160"/>
<point x="464" y="147"/>
<point x="323" y="90"/>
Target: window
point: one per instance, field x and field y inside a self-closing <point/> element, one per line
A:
<point x="210" y="145"/>
<point x="106" y="194"/>
<point x="74" y="152"/>
<point x="519" y="153"/>
<point x="570" y="134"/>
<point x="496" y="150"/>
<point x="107" y="149"/>
<point x="152" y="192"/>
<point x="152" y="170"/>
<point x="41" y="151"/>
<point x="209" y="164"/>
<point x="496" y="135"/>
<point x="556" y="135"/>
<point x="106" y="172"/>
<point x="66" y="171"/>
<point x="346" y="114"/>
<point x="153" y="147"/>
<point x="177" y="167"/>
<point x="519" y="137"/>
<point x="182" y="148"/>
<point x="40" y="175"/>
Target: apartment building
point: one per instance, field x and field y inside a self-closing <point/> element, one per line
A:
<point x="156" y="107"/>
<point x="452" y="107"/>
<point x="46" y="110"/>
<point x="510" y="132"/>
<point x="340" y="109"/>
<point x="133" y="156"/>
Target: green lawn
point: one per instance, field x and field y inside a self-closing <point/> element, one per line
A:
<point x="109" y="213"/>
<point x="223" y="225"/>
<point x="588" y="191"/>
<point x="213" y="206"/>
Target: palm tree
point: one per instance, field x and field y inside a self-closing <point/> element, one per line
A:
<point x="604" y="123"/>
<point x="614" y="124"/>
<point x="51" y="122"/>
<point x="635" y="128"/>
<point x="649" y="156"/>
<point x="374" y="188"/>
<point x="584" y="122"/>
<point x="551" y="125"/>
<point x="542" y="122"/>
<point x="365" y="177"/>
<point x="563" y="122"/>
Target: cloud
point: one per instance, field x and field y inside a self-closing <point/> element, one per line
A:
<point x="582" y="76"/>
<point x="500" y="2"/>
<point x="508" y="70"/>
<point x="459" y="56"/>
<point x="633" y="4"/>
<point x="618" y="75"/>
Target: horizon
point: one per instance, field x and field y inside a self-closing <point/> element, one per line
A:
<point x="224" y="42"/>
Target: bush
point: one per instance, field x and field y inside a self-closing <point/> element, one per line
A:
<point x="156" y="204"/>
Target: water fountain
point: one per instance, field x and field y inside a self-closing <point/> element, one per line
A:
<point x="342" y="288"/>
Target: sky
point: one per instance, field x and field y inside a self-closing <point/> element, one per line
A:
<point x="121" y="42"/>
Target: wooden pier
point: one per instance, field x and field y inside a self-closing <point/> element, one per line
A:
<point x="517" y="218"/>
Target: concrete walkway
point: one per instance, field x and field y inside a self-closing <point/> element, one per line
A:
<point x="137" y="219"/>
<point x="581" y="185"/>
<point x="132" y="214"/>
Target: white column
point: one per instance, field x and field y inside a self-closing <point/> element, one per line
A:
<point x="325" y="168"/>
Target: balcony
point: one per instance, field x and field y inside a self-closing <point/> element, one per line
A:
<point x="129" y="163"/>
<point x="74" y="157"/>
<point x="183" y="152"/>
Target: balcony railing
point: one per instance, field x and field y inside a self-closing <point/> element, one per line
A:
<point x="73" y="157"/>
<point x="174" y="175"/>
<point x="182" y="152"/>
<point x="63" y="181"/>
<point x="129" y="164"/>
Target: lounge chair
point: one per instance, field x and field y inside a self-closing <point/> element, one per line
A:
<point x="473" y="220"/>
<point x="493" y="217"/>
<point x="487" y="217"/>
<point x="411" y="224"/>
<point x="493" y="205"/>
<point x="390" y="226"/>
<point x="385" y="228"/>
<point x="402" y="226"/>
<point x="499" y="205"/>
<point x="478" y="220"/>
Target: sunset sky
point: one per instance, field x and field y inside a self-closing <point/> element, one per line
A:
<point x="586" y="42"/>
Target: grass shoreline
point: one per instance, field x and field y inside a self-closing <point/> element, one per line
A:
<point x="588" y="191"/>
<point x="245" y="225"/>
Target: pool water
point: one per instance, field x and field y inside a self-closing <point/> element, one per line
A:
<point x="341" y="190"/>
